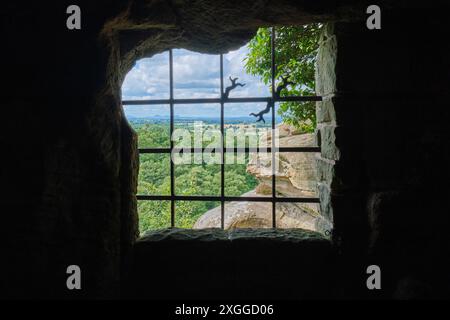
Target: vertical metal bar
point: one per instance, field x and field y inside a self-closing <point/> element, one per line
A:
<point x="222" y="152"/>
<point x="172" y="169"/>
<point x="273" y="72"/>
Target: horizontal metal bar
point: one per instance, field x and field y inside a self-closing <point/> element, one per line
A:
<point x="154" y="150"/>
<point x="230" y="150"/>
<point x="219" y="100"/>
<point x="168" y="101"/>
<point x="299" y="98"/>
<point x="226" y="198"/>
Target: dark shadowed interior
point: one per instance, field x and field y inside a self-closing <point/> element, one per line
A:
<point x="69" y="161"/>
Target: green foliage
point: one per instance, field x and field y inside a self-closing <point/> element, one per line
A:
<point x="153" y="215"/>
<point x="295" y="56"/>
<point x="192" y="179"/>
<point x="153" y="135"/>
<point x="188" y="212"/>
<point x="154" y="173"/>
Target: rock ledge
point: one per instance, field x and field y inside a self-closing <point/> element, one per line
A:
<point x="215" y="234"/>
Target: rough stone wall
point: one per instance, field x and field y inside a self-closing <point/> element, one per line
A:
<point x="339" y="164"/>
<point x="385" y="109"/>
<point x="68" y="167"/>
<point x="61" y="171"/>
<point x="326" y="120"/>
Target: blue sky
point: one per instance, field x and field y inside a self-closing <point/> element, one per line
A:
<point x="196" y="75"/>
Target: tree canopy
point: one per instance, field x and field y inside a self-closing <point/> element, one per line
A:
<point x="190" y="179"/>
<point x="295" y="57"/>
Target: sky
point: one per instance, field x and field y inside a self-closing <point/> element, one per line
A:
<point x="196" y="75"/>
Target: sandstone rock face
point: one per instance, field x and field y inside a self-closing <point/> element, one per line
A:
<point x="296" y="172"/>
<point x="296" y="177"/>
<point x="259" y="215"/>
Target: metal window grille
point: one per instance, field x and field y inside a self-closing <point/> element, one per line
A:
<point x="222" y="100"/>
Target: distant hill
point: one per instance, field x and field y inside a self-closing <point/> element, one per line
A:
<point x="165" y="119"/>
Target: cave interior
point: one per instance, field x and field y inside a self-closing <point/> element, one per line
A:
<point x="69" y="162"/>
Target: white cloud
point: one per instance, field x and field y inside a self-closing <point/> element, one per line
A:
<point x="195" y="76"/>
<point x="148" y="78"/>
<point x="234" y="65"/>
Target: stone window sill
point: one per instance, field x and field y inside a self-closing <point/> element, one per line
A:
<point x="215" y="234"/>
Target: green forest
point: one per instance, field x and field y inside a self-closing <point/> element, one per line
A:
<point x="190" y="179"/>
<point x="296" y="49"/>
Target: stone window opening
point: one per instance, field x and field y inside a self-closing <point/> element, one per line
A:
<point x="273" y="187"/>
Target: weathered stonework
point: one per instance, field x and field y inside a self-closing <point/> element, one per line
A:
<point x="329" y="150"/>
<point x="217" y="234"/>
<point x="326" y="62"/>
<point x="326" y="120"/>
<point x="325" y="111"/>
